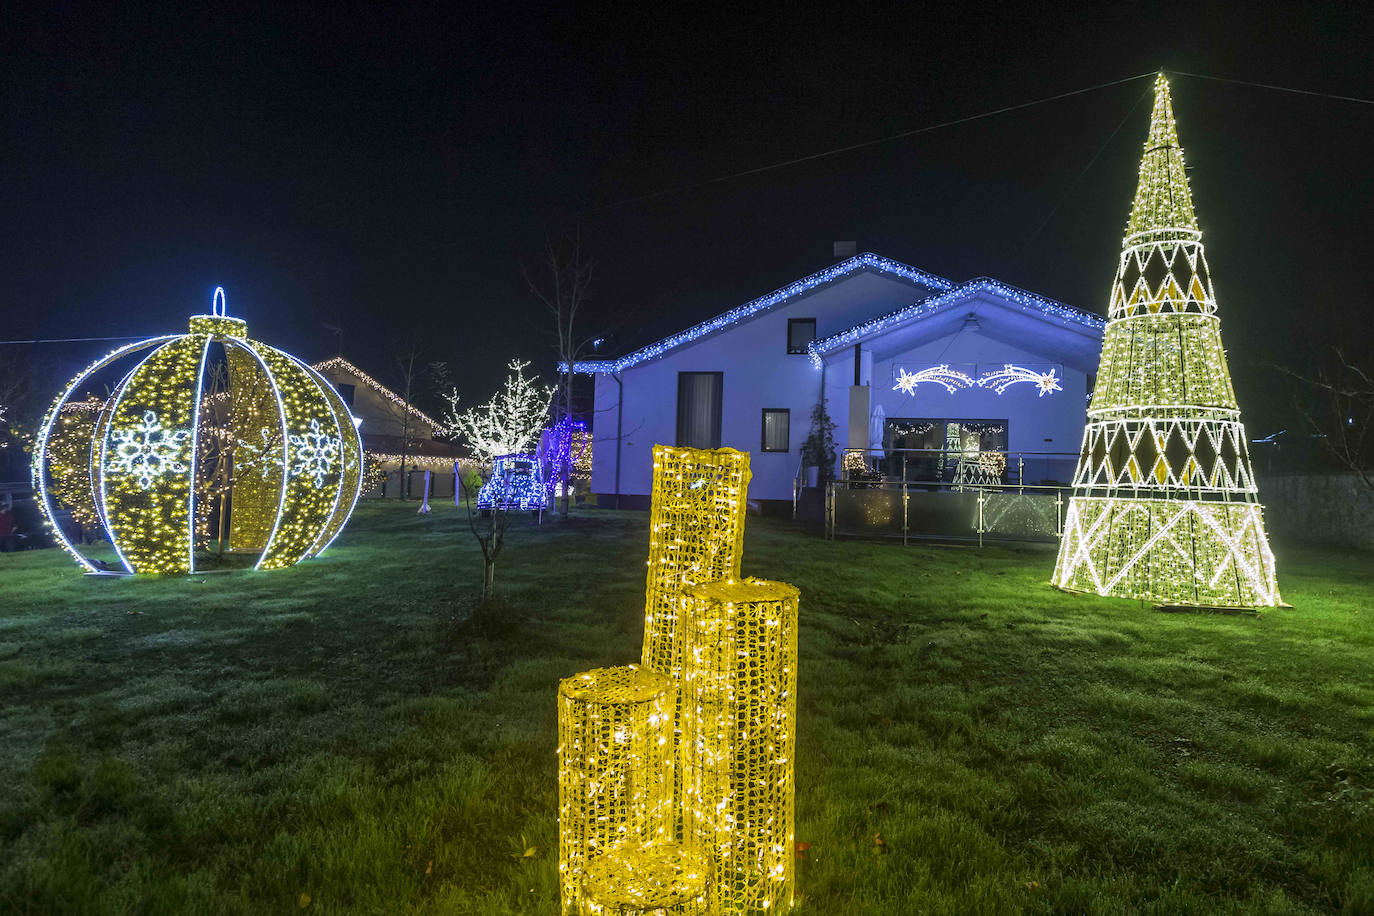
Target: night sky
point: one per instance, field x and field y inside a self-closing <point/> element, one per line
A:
<point x="393" y="171"/>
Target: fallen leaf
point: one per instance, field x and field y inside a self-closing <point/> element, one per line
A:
<point x="879" y="845"/>
<point x="801" y="849"/>
<point x="303" y="902"/>
<point x="429" y="869"/>
<point x="1032" y="885"/>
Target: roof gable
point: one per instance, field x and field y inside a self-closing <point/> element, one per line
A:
<point x="1029" y="303"/>
<point x="754" y="307"/>
<point x="342" y="365"/>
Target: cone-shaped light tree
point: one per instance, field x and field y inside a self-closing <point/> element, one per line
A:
<point x="1165" y="506"/>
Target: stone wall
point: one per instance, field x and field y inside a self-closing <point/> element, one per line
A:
<point x="1319" y="508"/>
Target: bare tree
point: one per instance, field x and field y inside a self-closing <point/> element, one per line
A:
<point x="564" y="277"/>
<point x="1344" y="422"/>
<point x="487" y="526"/>
<point x="409" y="355"/>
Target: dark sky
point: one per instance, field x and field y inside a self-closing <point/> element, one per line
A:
<point x="394" y="169"/>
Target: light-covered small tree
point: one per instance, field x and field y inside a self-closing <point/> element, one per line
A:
<point x="510" y="422"/>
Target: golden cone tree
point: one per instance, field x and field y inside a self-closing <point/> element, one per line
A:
<point x="1165" y="506"/>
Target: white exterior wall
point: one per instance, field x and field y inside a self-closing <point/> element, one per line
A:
<point x="1031" y="419"/>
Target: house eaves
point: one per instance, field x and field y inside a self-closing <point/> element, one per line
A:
<point x="865" y="261"/>
<point x="1038" y="306"/>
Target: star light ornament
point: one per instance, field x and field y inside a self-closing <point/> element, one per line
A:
<point x="1165" y="507"/>
<point x="148" y="451"/>
<point x="1008" y="375"/>
<point x="155" y="452"/>
<point x="949" y="379"/>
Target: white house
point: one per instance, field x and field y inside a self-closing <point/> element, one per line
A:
<point x="909" y="364"/>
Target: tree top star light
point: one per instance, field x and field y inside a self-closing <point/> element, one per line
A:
<point x="1165" y="506"/>
<point x="205" y="428"/>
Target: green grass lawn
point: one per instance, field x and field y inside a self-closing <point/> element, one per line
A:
<point x="339" y="738"/>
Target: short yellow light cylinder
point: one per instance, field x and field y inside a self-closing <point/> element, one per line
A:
<point x="615" y="767"/>
<point x="740" y="710"/>
<point x="661" y="879"/>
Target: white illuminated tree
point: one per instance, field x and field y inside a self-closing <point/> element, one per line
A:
<point x="1165" y="505"/>
<point x="509" y="423"/>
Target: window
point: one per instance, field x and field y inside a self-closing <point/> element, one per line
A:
<point x="698" y="409"/>
<point x="800" y="332"/>
<point x="345" y="392"/>
<point x="777" y="422"/>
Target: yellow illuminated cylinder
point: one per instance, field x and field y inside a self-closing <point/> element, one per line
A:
<point x="696" y="534"/>
<point x="615" y="768"/>
<point x="739" y="734"/>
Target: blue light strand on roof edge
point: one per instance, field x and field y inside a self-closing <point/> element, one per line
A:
<point x="754" y="306"/>
<point x="1026" y="301"/>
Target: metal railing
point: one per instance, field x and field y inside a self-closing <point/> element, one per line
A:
<point x="950" y="495"/>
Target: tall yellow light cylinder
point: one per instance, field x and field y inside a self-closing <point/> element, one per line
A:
<point x="696" y="534"/>
<point x="615" y="768"/>
<point x="739" y="720"/>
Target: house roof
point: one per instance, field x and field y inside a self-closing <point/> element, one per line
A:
<point x="344" y="365"/>
<point x="847" y="267"/>
<point x="1037" y="306"/>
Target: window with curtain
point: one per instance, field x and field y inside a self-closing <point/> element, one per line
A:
<point x="777" y="422"/>
<point x="698" y="409"/>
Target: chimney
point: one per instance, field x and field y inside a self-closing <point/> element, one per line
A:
<point x="846" y="249"/>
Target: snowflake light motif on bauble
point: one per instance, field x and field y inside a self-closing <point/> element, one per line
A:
<point x="148" y="451"/>
<point x="314" y="454"/>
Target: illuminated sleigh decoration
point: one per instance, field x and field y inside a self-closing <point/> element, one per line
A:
<point x="209" y="436"/>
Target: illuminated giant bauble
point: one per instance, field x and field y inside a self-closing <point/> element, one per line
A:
<point x="208" y="437"/>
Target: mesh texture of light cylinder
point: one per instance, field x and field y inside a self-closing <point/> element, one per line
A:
<point x="1165" y="504"/>
<point x="150" y="448"/>
<point x="615" y="768"/>
<point x="739" y="736"/>
<point x="658" y="878"/>
<point x="696" y="534"/>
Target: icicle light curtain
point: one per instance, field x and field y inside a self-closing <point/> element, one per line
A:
<point x="739" y="724"/>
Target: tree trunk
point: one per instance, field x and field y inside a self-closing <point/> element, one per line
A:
<point x="488" y="579"/>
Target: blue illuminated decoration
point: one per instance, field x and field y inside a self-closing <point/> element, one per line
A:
<point x="749" y="309"/>
<point x="515" y="483"/>
<point x="559" y="449"/>
<point x="1027" y="302"/>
